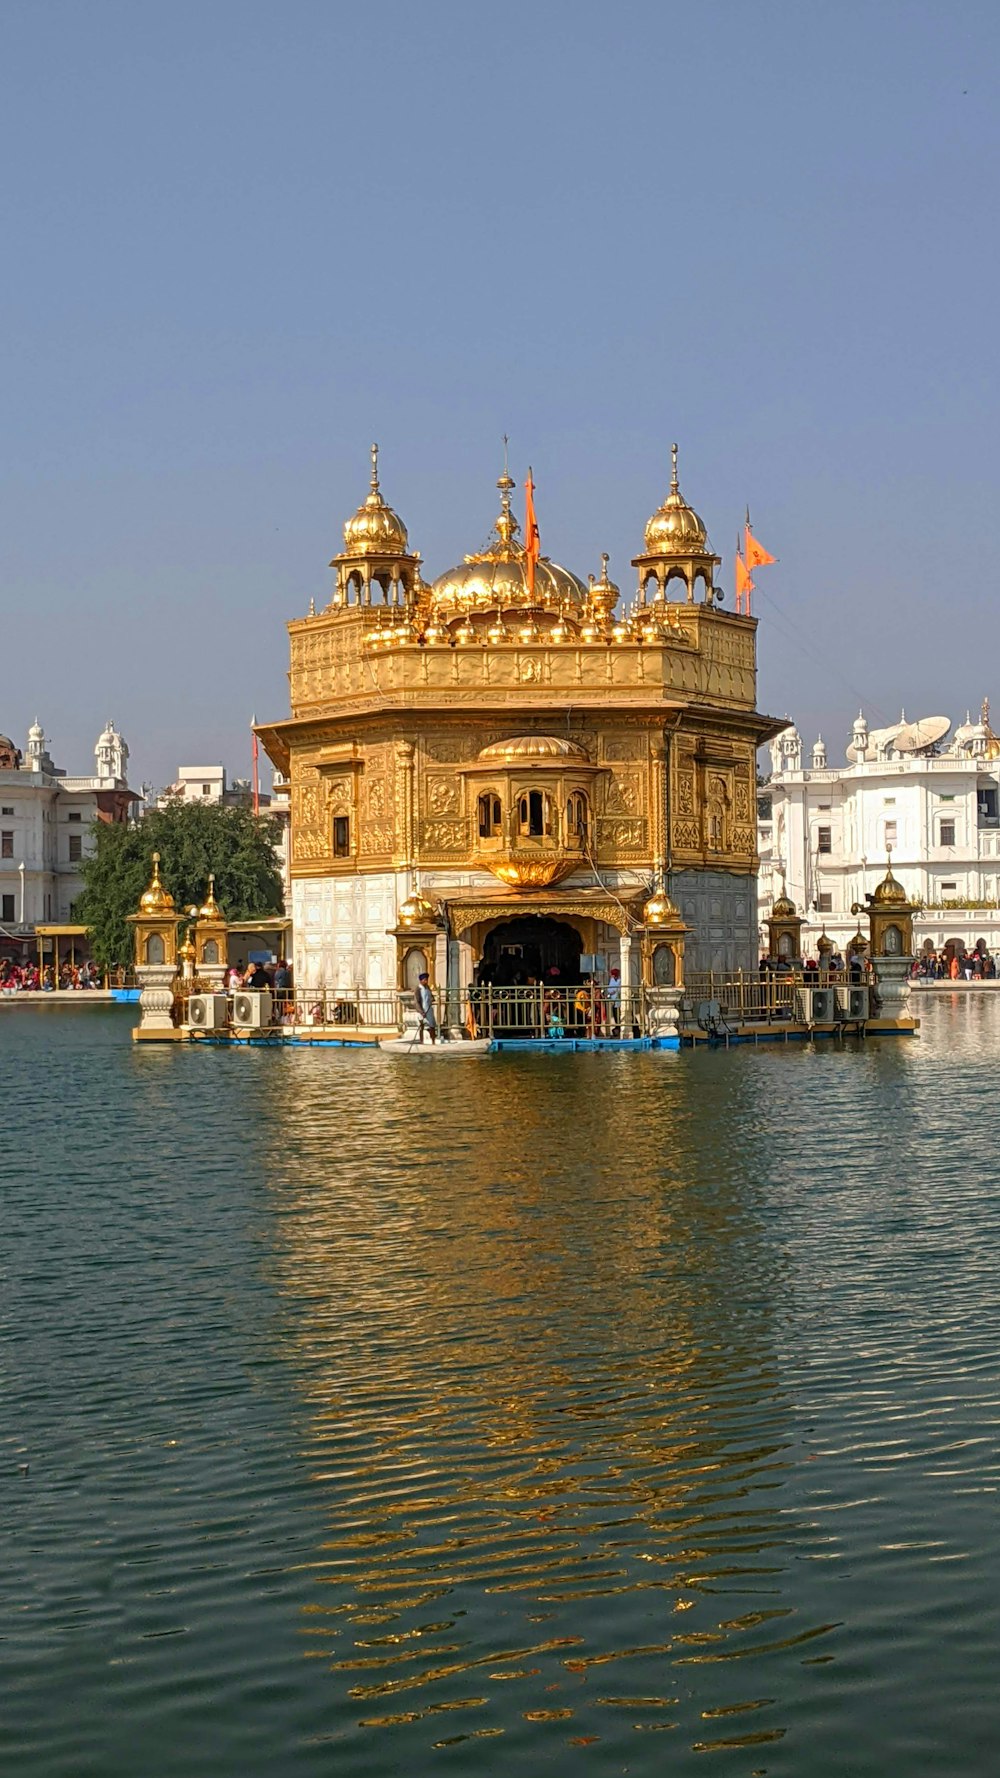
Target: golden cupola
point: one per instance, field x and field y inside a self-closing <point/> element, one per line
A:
<point x="376" y="565"/>
<point x="156" y="899"/>
<point x="676" y="548"/>
<point x="890" y="892"/>
<point x="496" y="583"/>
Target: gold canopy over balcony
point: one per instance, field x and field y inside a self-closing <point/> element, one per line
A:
<point x="531" y="802"/>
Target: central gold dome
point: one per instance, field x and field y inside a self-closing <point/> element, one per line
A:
<point x="497" y="579"/>
<point x="675" y="528"/>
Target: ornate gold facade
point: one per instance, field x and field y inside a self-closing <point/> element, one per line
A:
<point x="509" y="722"/>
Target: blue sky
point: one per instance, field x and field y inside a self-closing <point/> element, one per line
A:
<point x="242" y="241"/>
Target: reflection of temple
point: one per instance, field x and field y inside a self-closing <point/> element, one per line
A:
<point x="498" y="768"/>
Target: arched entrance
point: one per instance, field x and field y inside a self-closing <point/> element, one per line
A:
<point x="531" y="946"/>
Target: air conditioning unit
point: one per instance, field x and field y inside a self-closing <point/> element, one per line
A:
<point x="252" y="1009"/>
<point x="816" y="1006"/>
<point x="852" y="1004"/>
<point x="207" y="1012"/>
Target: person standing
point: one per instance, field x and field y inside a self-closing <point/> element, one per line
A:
<point x="426" y="1013"/>
<point x="614" y="999"/>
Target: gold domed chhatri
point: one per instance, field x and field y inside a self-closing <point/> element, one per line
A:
<point x="375" y="529"/>
<point x="210" y="909"/>
<point x="156" y="899"/>
<point x="417" y="911"/>
<point x="890" y="891"/>
<point x="539" y="748"/>
<point x="675" y="528"/>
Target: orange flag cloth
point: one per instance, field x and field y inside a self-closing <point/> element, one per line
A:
<point x="531" y="538"/>
<point x="757" y="555"/>
<point x="744" y="585"/>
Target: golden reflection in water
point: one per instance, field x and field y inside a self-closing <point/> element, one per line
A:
<point x="531" y="1311"/>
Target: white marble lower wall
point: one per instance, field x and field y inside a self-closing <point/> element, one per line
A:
<point x="343" y="930"/>
<point x="722" y="913"/>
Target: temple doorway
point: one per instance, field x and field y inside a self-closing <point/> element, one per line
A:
<point x="530" y="947"/>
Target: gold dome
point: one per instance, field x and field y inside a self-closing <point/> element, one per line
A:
<point x="375" y="530"/>
<point x="186" y="952"/>
<point x="417" y="911"/>
<point x="497" y="578"/>
<point x="532" y="747"/>
<point x="211" y="909"/>
<point x="889" y="893"/>
<point x="156" y="899"/>
<point x="784" y="908"/>
<point x="675" y="528"/>
<point x="659" y="910"/>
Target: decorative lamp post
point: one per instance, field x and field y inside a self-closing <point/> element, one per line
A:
<point x="890" y="919"/>
<point x="662" y="953"/>
<point x="211" y="937"/>
<point x="784" y="933"/>
<point x="155" y="927"/>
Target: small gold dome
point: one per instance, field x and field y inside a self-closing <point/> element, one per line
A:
<point x="417" y="911"/>
<point x="375" y="530"/>
<point x="187" y="952"/>
<point x="156" y="899"/>
<point x="532" y="747"/>
<point x="824" y="945"/>
<point x="659" y="910"/>
<point x="784" y="908"/>
<point x="675" y="528"/>
<point x="211" y="909"/>
<point x="889" y="893"/>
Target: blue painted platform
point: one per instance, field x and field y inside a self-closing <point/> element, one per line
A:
<point x="553" y="1046"/>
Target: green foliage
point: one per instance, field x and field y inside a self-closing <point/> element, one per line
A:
<point x="192" y="839"/>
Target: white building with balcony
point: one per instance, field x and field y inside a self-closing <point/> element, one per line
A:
<point x="929" y="796"/>
<point x="46" y="828"/>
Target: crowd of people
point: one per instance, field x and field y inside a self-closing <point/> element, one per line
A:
<point x="27" y="978"/>
<point x="547" y="1006"/>
<point x="275" y="977"/>
<point x="977" y="965"/>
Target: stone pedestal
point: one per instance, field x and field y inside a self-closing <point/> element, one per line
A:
<point x="663" y="1007"/>
<point x="892" y="984"/>
<point x="156" y="999"/>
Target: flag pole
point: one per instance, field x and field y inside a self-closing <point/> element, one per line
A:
<point x="256" y="766"/>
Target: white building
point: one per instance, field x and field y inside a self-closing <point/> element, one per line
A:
<point x="825" y="830"/>
<point x="46" y="821"/>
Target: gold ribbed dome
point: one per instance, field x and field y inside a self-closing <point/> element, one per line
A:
<point x="784" y="908"/>
<point x="675" y="528"/>
<point x="497" y="579"/>
<point x="375" y="530"/>
<point x="533" y="747"/>
<point x="659" y="910"/>
<point x="889" y="892"/>
<point x="156" y="899"/>
<point x="417" y="911"/>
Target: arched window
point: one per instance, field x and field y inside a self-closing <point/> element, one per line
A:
<point x="489" y="814"/>
<point x="892" y="941"/>
<point x="576" y="816"/>
<point x="210" y="954"/>
<point x="663" y="966"/>
<point x="154" y="948"/>
<point x="414" y="966"/>
<point x="786" y="946"/>
<point x="534" y="814"/>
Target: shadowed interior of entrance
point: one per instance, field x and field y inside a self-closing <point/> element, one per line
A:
<point x="530" y="946"/>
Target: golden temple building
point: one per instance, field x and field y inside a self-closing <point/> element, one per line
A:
<point x="495" y="774"/>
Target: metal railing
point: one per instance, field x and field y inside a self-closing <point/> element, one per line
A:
<point x="768" y="998"/>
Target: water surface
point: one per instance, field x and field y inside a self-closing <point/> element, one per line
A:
<point x="581" y="1414"/>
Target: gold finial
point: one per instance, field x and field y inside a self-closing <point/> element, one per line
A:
<point x="984" y="714"/>
<point x="156" y="899"/>
<point x="375" y="487"/>
<point x="675" y="486"/>
<point x="312" y="607"/>
<point x="506" y="526"/>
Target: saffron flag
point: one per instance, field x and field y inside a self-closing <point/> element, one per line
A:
<point x="531" y="537"/>
<point x="757" y="556"/>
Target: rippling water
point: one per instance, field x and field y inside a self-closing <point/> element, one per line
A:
<point x="563" y="1414"/>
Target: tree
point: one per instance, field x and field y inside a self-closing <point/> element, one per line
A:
<point x="193" y="839"/>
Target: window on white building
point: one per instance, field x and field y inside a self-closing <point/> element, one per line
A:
<point x="949" y="889"/>
<point x="6" y="811"/>
<point x="824" y="839"/>
<point x="7" y="843"/>
<point x="7" y="908"/>
<point x="75" y="847"/>
<point x="890" y="833"/>
<point x="206" y="790"/>
<point x="947" y="833"/>
<point x="824" y="902"/>
<point x="74" y="815"/>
